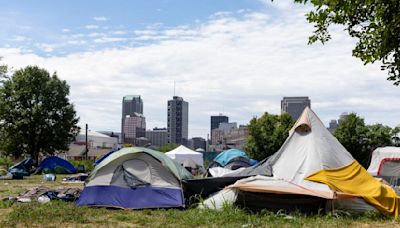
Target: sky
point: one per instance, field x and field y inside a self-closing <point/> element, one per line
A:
<point x="237" y="57"/>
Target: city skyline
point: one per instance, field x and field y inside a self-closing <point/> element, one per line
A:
<point x="236" y="58"/>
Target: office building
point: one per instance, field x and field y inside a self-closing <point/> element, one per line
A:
<point x="178" y="121"/>
<point x="227" y="127"/>
<point x="131" y="104"/>
<point x="134" y="127"/>
<point x="332" y="126"/>
<point x="234" y="138"/>
<point x="343" y="116"/>
<point x="294" y="106"/>
<point x="216" y="121"/>
<point x="157" y="136"/>
<point x="198" y="143"/>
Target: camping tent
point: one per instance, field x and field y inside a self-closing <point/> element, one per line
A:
<point x="103" y="157"/>
<point x="135" y="178"/>
<point x="181" y="153"/>
<point x="380" y="155"/>
<point x="313" y="163"/>
<point x="54" y="164"/>
<point x="21" y="169"/>
<point x="226" y="156"/>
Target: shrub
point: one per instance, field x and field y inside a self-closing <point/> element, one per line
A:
<point x="89" y="166"/>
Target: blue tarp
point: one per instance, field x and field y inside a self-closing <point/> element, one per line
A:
<point x="225" y="156"/>
<point x="21" y="169"/>
<point x="55" y="164"/>
<point x="131" y="198"/>
<point x="103" y="157"/>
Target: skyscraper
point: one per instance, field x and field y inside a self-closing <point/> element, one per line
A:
<point x="216" y="120"/>
<point x="131" y="104"/>
<point x="178" y="120"/>
<point x="294" y="105"/>
<point x="134" y="127"/>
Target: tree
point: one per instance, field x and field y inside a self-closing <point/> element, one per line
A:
<point x="361" y="139"/>
<point x="375" y="25"/>
<point x="396" y="137"/>
<point x="36" y="116"/>
<point x="168" y="147"/>
<point x="379" y="135"/>
<point x="267" y="134"/>
<point x="3" y="71"/>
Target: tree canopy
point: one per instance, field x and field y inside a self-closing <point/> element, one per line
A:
<point x="375" y="25"/>
<point x="36" y="116"/>
<point x="361" y="139"/>
<point x="267" y="134"/>
<point x="168" y="147"/>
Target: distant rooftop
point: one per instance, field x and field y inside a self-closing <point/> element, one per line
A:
<point x="131" y="97"/>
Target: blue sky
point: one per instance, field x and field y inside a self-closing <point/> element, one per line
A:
<point x="41" y="26"/>
<point x="233" y="57"/>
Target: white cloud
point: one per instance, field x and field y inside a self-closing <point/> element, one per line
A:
<point x="66" y="30"/>
<point x="91" y="26"/>
<point x="45" y="47"/>
<point x="119" y="32"/>
<point x="101" y="19"/>
<point x="239" y="66"/>
<point x="20" y="38"/>
<point x="109" y="39"/>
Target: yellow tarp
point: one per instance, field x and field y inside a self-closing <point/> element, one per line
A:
<point x="354" y="179"/>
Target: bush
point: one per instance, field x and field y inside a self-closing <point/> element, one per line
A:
<point x="6" y="162"/>
<point x="89" y="166"/>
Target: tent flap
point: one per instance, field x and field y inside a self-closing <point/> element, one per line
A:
<point x="354" y="179"/>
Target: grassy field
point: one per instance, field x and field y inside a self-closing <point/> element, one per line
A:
<point x="61" y="214"/>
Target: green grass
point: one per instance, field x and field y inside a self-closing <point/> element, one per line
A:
<point x="62" y="214"/>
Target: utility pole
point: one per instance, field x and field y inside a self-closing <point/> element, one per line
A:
<point x="86" y="143"/>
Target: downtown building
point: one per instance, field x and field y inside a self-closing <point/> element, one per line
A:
<point x="228" y="136"/>
<point x="178" y="121"/>
<point x="215" y="121"/>
<point x="134" y="129"/>
<point x="133" y="123"/>
<point x="158" y="136"/>
<point x="294" y="106"/>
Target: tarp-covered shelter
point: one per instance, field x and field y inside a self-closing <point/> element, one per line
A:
<point x="54" y="164"/>
<point x="181" y="153"/>
<point x="382" y="155"/>
<point x="226" y="156"/>
<point x="21" y="169"/>
<point x="312" y="163"/>
<point x="135" y="178"/>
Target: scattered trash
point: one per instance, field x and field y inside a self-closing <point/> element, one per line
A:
<point x="49" y="177"/>
<point x="43" y="199"/>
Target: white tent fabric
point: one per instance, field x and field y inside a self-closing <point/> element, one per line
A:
<point x="309" y="148"/>
<point x="181" y="153"/>
<point x="221" y="172"/>
<point x="381" y="153"/>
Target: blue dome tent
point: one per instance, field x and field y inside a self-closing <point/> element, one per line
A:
<point x="54" y="164"/>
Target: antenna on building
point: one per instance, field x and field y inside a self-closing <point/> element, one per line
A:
<point x="174" y="87"/>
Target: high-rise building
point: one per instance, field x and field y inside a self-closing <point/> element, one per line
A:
<point x="178" y="120"/>
<point x="131" y="104"/>
<point x="134" y="127"/>
<point x="342" y="117"/>
<point x="216" y="120"/>
<point x="157" y="136"/>
<point x="198" y="143"/>
<point x="294" y="105"/>
<point x="332" y="126"/>
<point x="227" y="127"/>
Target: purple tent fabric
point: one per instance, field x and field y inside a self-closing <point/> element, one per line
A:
<point x="131" y="198"/>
